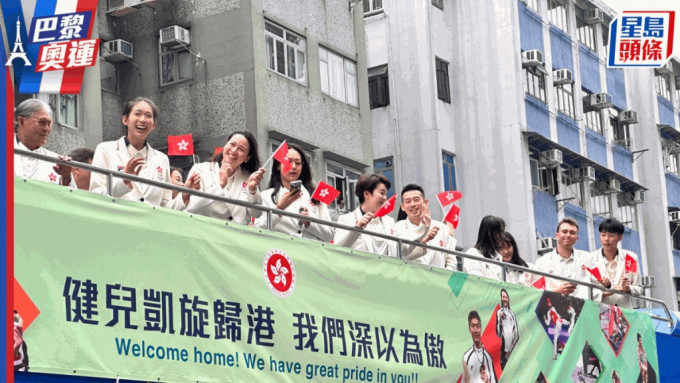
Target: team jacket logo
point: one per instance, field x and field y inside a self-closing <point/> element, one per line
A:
<point x="279" y="273"/>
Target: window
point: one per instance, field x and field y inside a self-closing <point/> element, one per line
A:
<point x="176" y="65"/>
<point x="345" y="180"/>
<point x="620" y="132"/>
<point x="378" y="87"/>
<point x="571" y="188"/>
<point x="557" y="14"/>
<point x="544" y="178"/>
<point x="109" y="76"/>
<point x="671" y="156"/>
<point x="285" y="52"/>
<point x="372" y="5"/>
<point x="675" y="235"/>
<point x="625" y="213"/>
<point x="600" y="203"/>
<point x="535" y="84"/>
<point x="338" y="77"/>
<point x="385" y="166"/>
<point x="449" y="171"/>
<point x="592" y="118"/>
<point x="65" y="107"/>
<point x="565" y="99"/>
<point x="443" y="90"/>
<point x="438" y="3"/>
<point x="533" y="4"/>
<point x="663" y="86"/>
<point x="585" y="31"/>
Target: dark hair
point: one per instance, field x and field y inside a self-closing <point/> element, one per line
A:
<point x="254" y="162"/>
<point x="567" y="220"/>
<point x="472" y="315"/>
<point x="130" y="104"/>
<point x="81" y="155"/>
<point x="176" y="169"/>
<point x="506" y="293"/>
<point x="369" y="183"/>
<point x="411" y="187"/>
<point x="401" y="215"/>
<point x="639" y="337"/>
<point x="490" y="236"/>
<point x="305" y="174"/>
<point x="611" y="225"/>
<point x="509" y="240"/>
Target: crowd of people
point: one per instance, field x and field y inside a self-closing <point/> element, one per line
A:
<point x="236" y="173"/>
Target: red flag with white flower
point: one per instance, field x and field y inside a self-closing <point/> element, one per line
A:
<point x="596" y="273"/>
<point x="540" y="283"/>
<point x="631" y="264"/>
<point x="446" y="198"/>
<point x="387" y="207"/>
<point x="281" y="155"/>
<point x="181" y="145"/>
<point x="325" y="193"/>
<point x="453" y="216"/>
<point x="218" y="150"/>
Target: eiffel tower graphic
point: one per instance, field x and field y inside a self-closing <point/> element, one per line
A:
<point x="18" y="50"/>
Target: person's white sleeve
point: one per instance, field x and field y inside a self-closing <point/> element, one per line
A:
<point x="198" y="204"/>
<point x="451" y="259"/>
<point x="256" y="199"/>
<point x="346" y="238"/>
<point x="412" y="252"/>
<point x="98" y="181"/>
<point x="323" y="232"/>
<point x="473" y="266"/>
<point x="176" y="203"/>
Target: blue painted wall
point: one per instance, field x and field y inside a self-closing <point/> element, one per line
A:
<point x="596" y="147"/>
<point x="579" y="215"/>
<point x="676" y="259"/>
<point x="590" y="69"/>
<point x="616" y="87"/>
<point x="666" y="115"/>
<point x="545" y="213"/>
<point x="530" y="29"/>
<point x="567" y="132"/>
<point x="623" y="160"/>
<point x="537" y="116"/>
<point x="673" y="190"/>
<point x="560" y="48"/>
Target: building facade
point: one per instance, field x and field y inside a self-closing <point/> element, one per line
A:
<point x="511" y="103"/>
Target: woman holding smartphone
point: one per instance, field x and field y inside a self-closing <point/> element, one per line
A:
<point x="292" y="192"/>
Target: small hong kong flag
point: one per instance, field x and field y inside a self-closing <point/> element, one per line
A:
<point x="325" y="193"/>
<point x="453" y="216"/>
<point x="181" y="145"/>
<point x="218" y="150"/>
<point x="540" y="283"/>
<point x="386" y="208"/>
<point x="281" y="155"/>
<point x="631" y="264"/>
<point x="446" y="198"/>
<point x="596" y="273"/>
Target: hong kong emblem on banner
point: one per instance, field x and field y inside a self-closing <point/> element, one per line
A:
<point x="279" y="273"/>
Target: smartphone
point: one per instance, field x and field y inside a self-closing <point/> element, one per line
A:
<point x="295" y="185"/>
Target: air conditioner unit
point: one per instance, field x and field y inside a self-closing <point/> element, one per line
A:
<point x="532" y="58"/>
<point x="561" y="2"/>
<point x="545" y="244"/>
<point x="628" y="117"/>
<point x="588" y="173"/>
<point x="594" y="16"/>
<point x="674" y="217"/>
<point x="609" y="186"/>
<point x="598" y="101"/>
<point x="123" y="7"/>
<point x="648" y="281"/>
<point x="635" y="197"/>
<point x="552" y="157"/>
<point x="562" y="76"/>
<point x="174" y="36"/>
<point x="665" y="68"/>
<point x="117" y="50"/>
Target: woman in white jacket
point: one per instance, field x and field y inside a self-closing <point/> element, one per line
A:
<point x="133" y="155"/>
<point x="234" y="173"/>
<point x="280" y="196"/>
<point x="489" y="241"/>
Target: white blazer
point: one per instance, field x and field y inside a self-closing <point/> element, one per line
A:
<point x="236" y="188"/>
<point x="113" y="155"/>
<point x="289" y="225"/>
<point x="407" y="230"/>
<point x="34" y="169"/>
<point x="481" y="268"/>
<point x="635" y="288"/>
<point x="364" y="241"/>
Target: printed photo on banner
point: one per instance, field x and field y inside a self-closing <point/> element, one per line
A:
<point x="614" y="326"/>
<point x="588" y="368"/>
<point x="478" y="364"/>
<point x="558" y="315"/>
<point x="647" y="373"/>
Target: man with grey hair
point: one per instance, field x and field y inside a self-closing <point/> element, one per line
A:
<point x="33" y="124"/>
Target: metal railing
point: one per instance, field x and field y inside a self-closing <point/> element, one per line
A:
<point x="110" y="174"/>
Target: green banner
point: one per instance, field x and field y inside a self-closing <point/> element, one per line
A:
<point x="125" y="289"/>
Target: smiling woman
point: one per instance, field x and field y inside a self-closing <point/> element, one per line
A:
<point x="133" y="155"/>
<point x="234" y="173"/>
